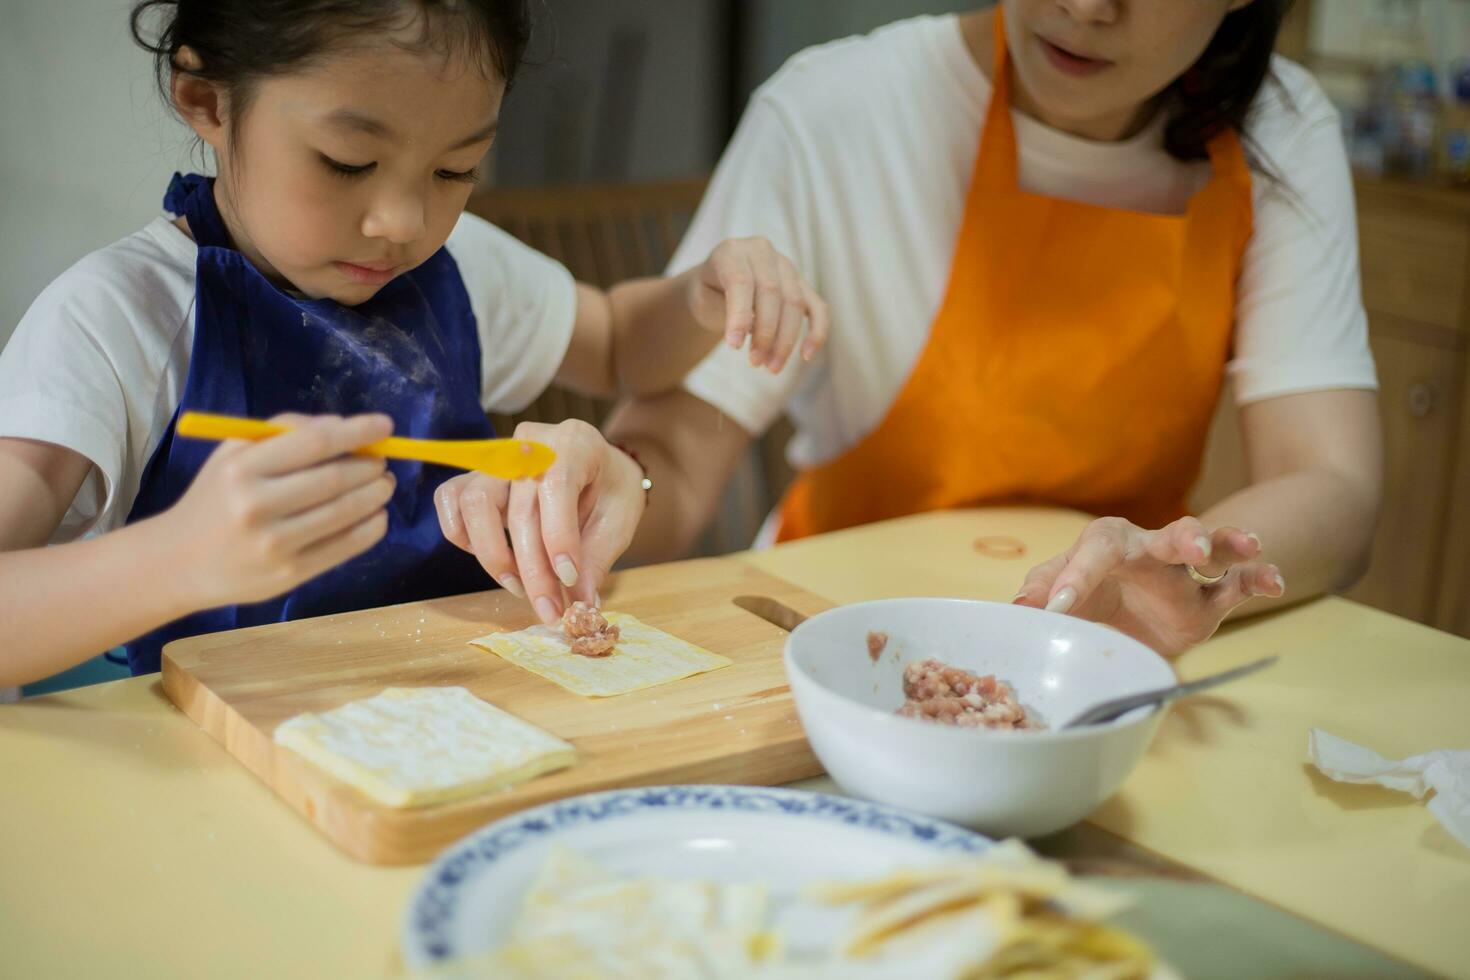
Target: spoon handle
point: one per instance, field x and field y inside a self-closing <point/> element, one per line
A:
<point x="1109" y="710"/>
<point x="509" y="459"/>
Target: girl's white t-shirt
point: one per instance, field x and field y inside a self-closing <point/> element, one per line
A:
<point x="99" y="361"/>
<point x="855" y="159"/>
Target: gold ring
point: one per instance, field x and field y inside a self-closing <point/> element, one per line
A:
<point x="1205" y="579"/>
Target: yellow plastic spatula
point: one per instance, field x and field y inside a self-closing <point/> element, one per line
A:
<point x="508" y="459"/>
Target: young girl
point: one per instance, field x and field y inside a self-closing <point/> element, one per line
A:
<point x="329" y="278"/>
<point x="1051" y="229"/>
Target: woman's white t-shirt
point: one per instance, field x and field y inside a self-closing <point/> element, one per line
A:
<point x="855" y="159"/>
<point x="99" y="361"/>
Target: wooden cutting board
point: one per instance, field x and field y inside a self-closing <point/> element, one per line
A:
<point x="735" y="725"/>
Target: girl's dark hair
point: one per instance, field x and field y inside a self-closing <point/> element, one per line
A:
<point x="240" y="42"/>
<point x="1216" y="94"/>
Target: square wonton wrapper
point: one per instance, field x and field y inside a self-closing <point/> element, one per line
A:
<point x="415" y="746"/>
<point x="644" y="657"/>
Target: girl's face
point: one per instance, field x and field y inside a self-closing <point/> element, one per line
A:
<point x="349" y="173"/>
<point x="1093" y="67"/>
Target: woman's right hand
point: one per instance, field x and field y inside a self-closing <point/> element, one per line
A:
<point x="263" y="517"/>
<point x="563" y="531"/>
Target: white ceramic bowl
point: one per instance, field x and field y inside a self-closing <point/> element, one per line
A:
<point x="1004" y="784"/>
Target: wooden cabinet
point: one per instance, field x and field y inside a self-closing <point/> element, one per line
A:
<point x="1415" y="245"/>
<point x="1419" y="387"/>
<point x="1453" y="609"/>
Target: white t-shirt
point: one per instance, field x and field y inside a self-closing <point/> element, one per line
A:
<point x="98" y="363"/>
<point x="854" y="160"/>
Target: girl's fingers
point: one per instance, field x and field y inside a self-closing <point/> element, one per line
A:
<point x="296" y="493"/>
<point x="1105" y="545"/>
<point x="737" y="282"/>
<point x="482" y="505"/>
<point x="523" y="520"/>
<point x="768" y="304"/>
<point x="300" y="531"/>
<point x="342" y="546"/>
<point x="316" y="442"/>
<point x="787" y="336"/>
<point x="820" y="323"/>
<point x="766" y="301"/>
<point x="793" y="315"/>
<point x="233" y="447"/>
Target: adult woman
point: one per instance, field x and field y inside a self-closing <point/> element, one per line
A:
<point x="1047" y="232"/>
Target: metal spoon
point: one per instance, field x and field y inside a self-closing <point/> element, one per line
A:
<point x="1109" y="710"/>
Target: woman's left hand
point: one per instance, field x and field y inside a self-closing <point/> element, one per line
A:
<point x="1137" y="581"/>
<point x="554" y="537"/>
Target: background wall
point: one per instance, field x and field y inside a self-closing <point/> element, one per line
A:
<point x="776" y="29"/>
<point x="86" y="148"/>
<point x="617" y="90"/>
<point x="623" y="90"/>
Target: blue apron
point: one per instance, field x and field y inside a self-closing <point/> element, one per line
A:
<point x="411" y="352"/>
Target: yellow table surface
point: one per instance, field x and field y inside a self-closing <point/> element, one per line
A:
<point x="132" y="845"/>
<point x="1225" y="788"/>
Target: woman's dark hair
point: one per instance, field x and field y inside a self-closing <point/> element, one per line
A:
<point x="240" y="42"/>
<point x="1216" y="94"/>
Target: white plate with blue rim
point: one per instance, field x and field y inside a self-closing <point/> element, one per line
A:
<point x="786" y="838"/>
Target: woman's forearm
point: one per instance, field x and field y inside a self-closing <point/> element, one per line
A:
<point x="690" y="449"/>
<point x="1315" y="525"/>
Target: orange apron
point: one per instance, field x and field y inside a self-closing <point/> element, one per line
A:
<point x="1076" y="359"/>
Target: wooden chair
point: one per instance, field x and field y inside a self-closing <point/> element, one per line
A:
<point x="605" y="234"/>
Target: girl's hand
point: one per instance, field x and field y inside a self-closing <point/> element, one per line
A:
<point x="565" y="530"/>
<point x="748" y="289"/>
<point x="1136" y="581"/>
<point x="263" y="517"/>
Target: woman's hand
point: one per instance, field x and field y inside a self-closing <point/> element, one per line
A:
<point x="748" y="289"/>
<point x="563" y="531"/>
<point x="263" y="517"/>
<point x="1136" y="581"/>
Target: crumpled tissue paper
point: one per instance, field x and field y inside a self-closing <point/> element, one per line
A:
<point x="1446" y="772"/>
